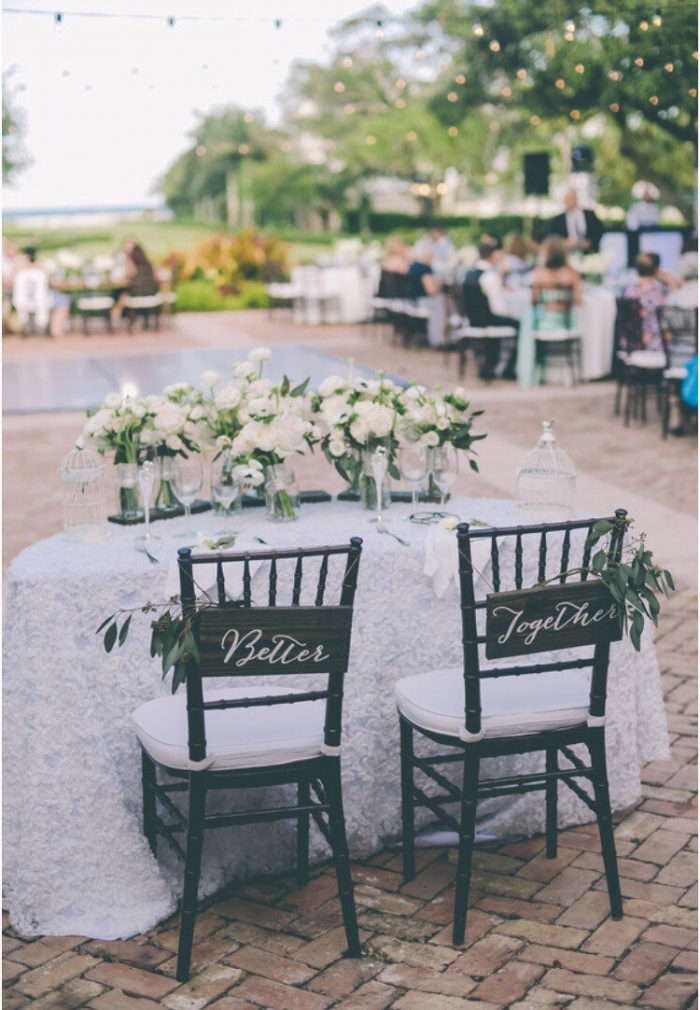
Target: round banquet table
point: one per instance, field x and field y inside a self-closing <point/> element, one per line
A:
<point x="75" y="858"/>
<point x="595" y="318"/>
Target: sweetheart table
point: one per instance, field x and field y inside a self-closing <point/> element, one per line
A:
<point x="75" y="859"/>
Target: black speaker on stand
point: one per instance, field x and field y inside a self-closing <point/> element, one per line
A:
<point x="536" y="171"/>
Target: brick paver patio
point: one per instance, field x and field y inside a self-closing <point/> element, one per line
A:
<point x="539" y="932"/>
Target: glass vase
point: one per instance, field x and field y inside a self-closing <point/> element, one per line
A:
<point x="368" y="486"/>
<point x="281" y="493"/>
<point x="166" y="499"/>
<point x="128" y="495"/>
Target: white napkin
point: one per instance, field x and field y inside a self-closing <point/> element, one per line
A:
<point x="205" y="575"/>
<point x="442" y="557"/>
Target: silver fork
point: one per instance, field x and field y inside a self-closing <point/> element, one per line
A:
<point x="383" y="528"/>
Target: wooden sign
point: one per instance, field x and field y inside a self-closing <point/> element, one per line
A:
<point x="273" y="640"/>
<point x="556" y="617"/>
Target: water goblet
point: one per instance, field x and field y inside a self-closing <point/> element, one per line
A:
<point x="225" y="487"/>
<point x="187" y="483"/>
<point x="414" y="464"/>
<point x="445" y="465"/>
<point x="146" y="482"/>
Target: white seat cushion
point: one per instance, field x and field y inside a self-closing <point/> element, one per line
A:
<point x="236" y="738"/>
<point x="646" y="359"/>
<point x="143" y="302"/>
<point x="557" y="335"/>
<point x="497" y="332"/>
<point x="98" y="303"/>
<point x="511" y="706"/>
<point x="678" y="372"/>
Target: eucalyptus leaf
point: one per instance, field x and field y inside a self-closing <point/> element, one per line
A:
<point x="104" y="624"/>
<point x="110" y="637"/>
<point x="124" y="630"/>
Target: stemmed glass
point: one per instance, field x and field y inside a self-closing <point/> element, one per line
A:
<point x="146" y="480"/>
<point x="445" y="465"/>
<point x="379" y="461"/>
<point x="225" y="487"/>
<point x="187" y="483"/>
<point x="414" y="464"/>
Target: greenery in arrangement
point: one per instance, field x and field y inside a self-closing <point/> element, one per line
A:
<point x="635" y="583"/>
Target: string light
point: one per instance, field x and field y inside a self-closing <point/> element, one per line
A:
<point x="669" y="67"/>
<point x="370" y="140"/>
<point x="569" y="36"/>
<point x="453" y="131"/>
<point x="575" y="114"/>
<point x="452" y="97"/>
<point x="654" y="100"/>
<point x="494" y="127"/>
<point x="347" y="62"/>
<point x="506" y="91"/>
<point x="379" y="33"/>
<point x="349" y="109"/>
<point x="424" y="189"/>
<point x="522" y="74"/>
<point x="441" y="188"/>
<point x="693" y="93"/>
<point x="560" y="84"/>
<point x="200" y="151"/>
<point x="570" y="26"/>
<point x="339" y="87"/>
<point x="495" y="46"/>
<point x="400" y="84"/>
<point x="411" y="136"/>
<point x="420" y="55"/>
<point x="644" y="25"/>
<point x="58" y="23"/>
<point x="535" y="120"/>
<point x="460" y="79"/>
<point x="656" y="19"/>
<point x="400" y="103"/>
<point x="478" y="30"/>
<point x="614" y="107"/>
<point x="243" y="149"/>
<point x="170" y="22"/>
<point x="614" y="75"/>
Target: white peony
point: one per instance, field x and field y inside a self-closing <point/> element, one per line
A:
<point x="227" y="398"/>
<point x="113" y="401"/>
<point x="260" y="354"/>
<point x="414" y="393"/>
<point x="223" y="442"/>
<point x="332" y="384"/>
<point x="174" y="442"/>
<point x="244" y="369"/>
<point x="261" y="407"/>
<point x="431" y="439"/>
<point x="259" y="387"/>
<point x="360" y="430"/>
<point x="380" y="420"/>
<point x="336" y="447"/>
<point x="170" y="418"/>
<point x="443" y="423"/>
<point x="210" y="379"/>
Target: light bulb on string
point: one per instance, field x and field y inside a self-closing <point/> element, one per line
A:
<point x="656" y="19"/>
<point x="378" y="33"/>
<point x="58" y="23"/>
<point x="170" y="22"/>
<point x="644" y="26"/>
<point x="477" y="29"/>
<point x="278" y="22"/>
<point x="570" y="26"/>
<point x="495" y="46"/>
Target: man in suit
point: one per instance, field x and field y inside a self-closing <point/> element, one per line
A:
<point x="580" y="229"/>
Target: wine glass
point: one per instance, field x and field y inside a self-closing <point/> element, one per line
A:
<point x="414" y="464"/>
<point x="187" y="483"/>
<point x="146" y="481"/>
<point x="225" y="487"/>
<point x="379" y="461"/>
<point x="445" y="465"/>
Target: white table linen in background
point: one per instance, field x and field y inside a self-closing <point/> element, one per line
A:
<point x="75" y="861"/>
<point x="595" y="319"/>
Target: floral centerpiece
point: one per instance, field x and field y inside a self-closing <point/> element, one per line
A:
<point x="436" y="419"/>
<point x="358" y="416"/>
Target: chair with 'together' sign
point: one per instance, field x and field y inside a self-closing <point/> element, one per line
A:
<point x="260" y="734"/>
<point x="538" y="706"/>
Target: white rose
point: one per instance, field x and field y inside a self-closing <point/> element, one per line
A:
<point x="380" y="420"/>
<point x="223" y="442"/>
<point x="260" y="354"/>
<point x="443" y="423"/>
<point x="174" y="390"/>
<point x="431" y="439"/>
<point x="332" y="384"/>
<point x="259" y="387"/>
<point x="174" y="442"/>
<point x="449" y="522"/>
<point x="198" y="413"/>
<point x="170" y="417"/>
<point x="414" y="393"/>
<point x="113" y="401"/>
<point x="244" y="369"/>
<point x="336" y="447"/>
<point x="290" y="431"/>
<point x="261" y="407"/>
<point x="210" y="379"/>
<point x="227" y="398"/>
<point x="137" y="408"/>
<point x="359" y="429"/>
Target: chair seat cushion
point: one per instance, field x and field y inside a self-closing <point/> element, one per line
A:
<point x="96" y="304"/>
<point x="236" y="738"/>
<point x="678" y="372"/>
<point x="646" y="359"/>
<point x="143" y="302"/>
<point x="557" y="335"/>
<point x="511" y="706"/>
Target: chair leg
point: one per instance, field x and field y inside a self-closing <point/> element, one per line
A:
<point x="148" y="785"/>
<point x="407" y="808"/>
<point x="551" y="766"/>
<point x="466" y="844"/>
<point x="341" y="857"/>
<point x="193" y="862"/>
<point x="599" y="781"/>
<point x="303" y="798"/>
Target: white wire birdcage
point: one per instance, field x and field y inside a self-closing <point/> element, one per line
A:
<point x="83" y="487"/>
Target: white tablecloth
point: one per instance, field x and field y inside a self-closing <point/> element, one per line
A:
<point x="596" y="320"/>
<point x="75" y="861"/>
<point x="338" y="293"/>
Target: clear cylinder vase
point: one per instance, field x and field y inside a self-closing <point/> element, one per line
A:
<point x="166" y="499"/>
<point x="281" y="493"/>
<point x="368" y="486"/>
<point x="128" y="495"/>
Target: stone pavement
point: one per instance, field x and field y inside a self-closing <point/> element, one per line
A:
<point x="539" y="932"/>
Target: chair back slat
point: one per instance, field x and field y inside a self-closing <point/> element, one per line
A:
<point x="542" y="570"/>
<point x="321" y="585"/>
<point x="495" y="564"/>
<point x="220" y="584"/>
<point x="272" y="596"/>
<point x="298" y="575"/>
<point x="247" y="595"/>
<point x="565" y="551"/>
<point x="519" y="561"/>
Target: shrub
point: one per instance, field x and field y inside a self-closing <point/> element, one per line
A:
<point x="203" y="296"/>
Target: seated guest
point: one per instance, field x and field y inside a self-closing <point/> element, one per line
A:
<point x="484" y="300"/>
<point x="423" y="280"/>
<point x="686" y="296"/>
<point x="141" y="278"/>
<point x="582" y="230"/>
<point x="555" y="273"/>
<point x="397" y="255"/>
<point x="515" y="258"/>
<point x="650" y="291"/>
<point x="645" y="212"/>
<point x="443" y="253"/>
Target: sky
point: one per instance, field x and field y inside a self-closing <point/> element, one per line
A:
<point x="108" y="102"/>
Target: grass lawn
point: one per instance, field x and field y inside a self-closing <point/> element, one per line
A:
<point x="157" y="237"/>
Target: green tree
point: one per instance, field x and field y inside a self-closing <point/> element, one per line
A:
<point x="635" y="74"/>
<point x="14" y="157"/>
